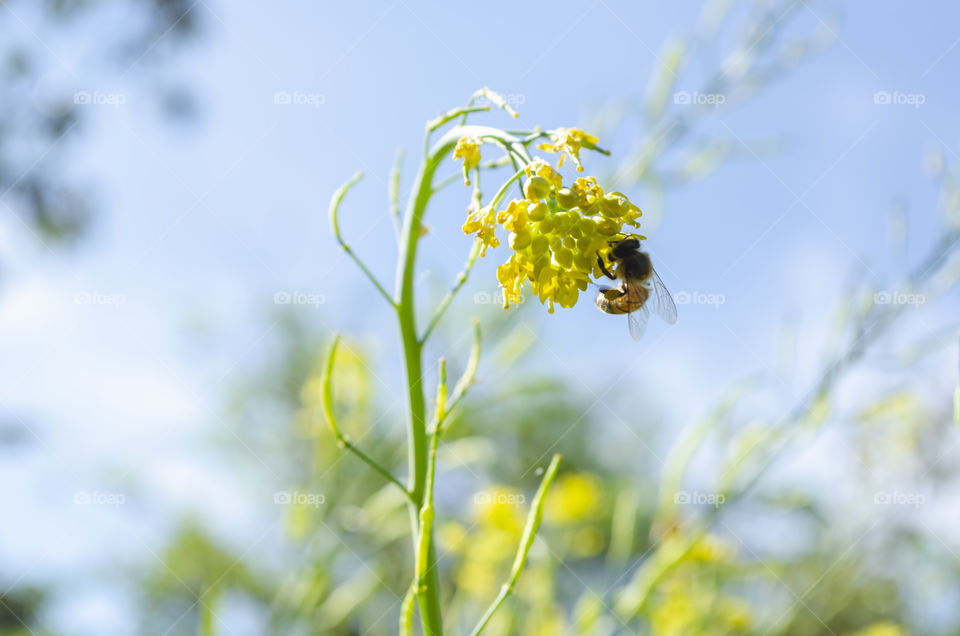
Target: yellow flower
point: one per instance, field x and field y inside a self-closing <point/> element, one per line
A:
<point x="568" y="141"/>
<point x="500" y="508"/>
<point x="468" y="149"/>
<point x="575" y="497"/>
<point x="482" y="222"/>
<point x="540" y="168"/>
<point x="883" y="629"/>
<point x="452" y="536"/>
<point x="556" y="234"/>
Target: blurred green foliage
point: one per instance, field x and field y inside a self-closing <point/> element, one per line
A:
<point x="622" y="549"/>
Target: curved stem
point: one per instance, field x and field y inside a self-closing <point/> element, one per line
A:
<point x="486" y="165"/>
<point x="406" y="611"/>
<point x="327" y="402"/>
<point x="493" y="97"/>
<point x="428" y="595"/>
<point x="394" y="192"/>
<point x="461" y="281"/>
<point x="334" y="209"/>
<point x="526" y="542"/>
<point x="433" y="124"/>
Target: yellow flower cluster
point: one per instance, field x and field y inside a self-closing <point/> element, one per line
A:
<point x="691" y="600"/>
<point x="468" y="149"/>
<point x="569" y="141"/>
<point x="575" y="497"/>
<point x="556" y="233"/>
<point x="497" y="523"/>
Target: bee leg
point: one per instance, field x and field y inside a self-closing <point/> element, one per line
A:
<point x="604" y="269"/>
<point x="611" y="293"/>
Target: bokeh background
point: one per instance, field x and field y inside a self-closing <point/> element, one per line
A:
<point x="781" y="461"/>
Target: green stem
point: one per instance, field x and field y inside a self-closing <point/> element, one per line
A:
<point x="526" y="542"/>
<point x="394" y="192"/>
<point x="434" y="124"/>
<point x="327" y="402"/>
<point x="335" y="225"/>
<point x="428" y="594"/>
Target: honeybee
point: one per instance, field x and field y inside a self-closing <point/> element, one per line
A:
<point x="638" y="280"/>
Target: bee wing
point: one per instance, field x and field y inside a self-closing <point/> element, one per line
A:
<point x="665" y="305"/>
<point x="637" y="320"/>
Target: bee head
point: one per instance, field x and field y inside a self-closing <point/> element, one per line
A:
<point x="624" y="247"/>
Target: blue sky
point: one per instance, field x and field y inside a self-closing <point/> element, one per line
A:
<point x="203" y="223"/>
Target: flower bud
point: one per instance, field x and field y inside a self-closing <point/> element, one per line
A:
<point x="520" y="239"/>
<point x="536" y="188"/>
<point x="567" y="199"/>
<point x="538" y="211"/>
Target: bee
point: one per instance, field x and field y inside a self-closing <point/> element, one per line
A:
<point x="638" y="281"/>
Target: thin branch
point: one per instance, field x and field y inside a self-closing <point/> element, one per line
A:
<point x="466" y="380"/>
<point x="433" y="124"/>
<point x="395" y="192"/>
<point x="526" y="542"/>
<point x="334" y="208"/>
<point x="493" y="97"/>
<point x="461" y="281"/>
<point x="486" y="165"/>
<point x="406" y="612"/>
<point x="327" y="401"/>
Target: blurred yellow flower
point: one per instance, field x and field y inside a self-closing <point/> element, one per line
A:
<point x="500" y="508"/>
<point x="352" y="393"/>
<point x="587" y="542"/>
<point x="712" y="549"/>
<point x="468" y="149"/>
<point x="556" y="234"/>
<point x="574" y="497"/>
<point x="452" y="536"/>
<point x="883" y="629"/>
<point x="568" y="141"/>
